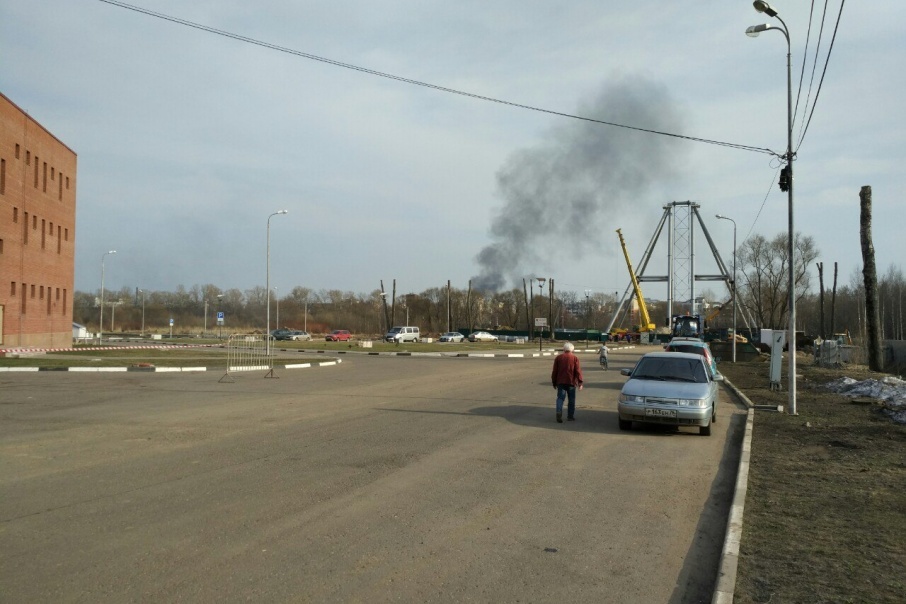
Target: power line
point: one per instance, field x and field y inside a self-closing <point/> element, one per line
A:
<point x="823" y="73"/>
<point x="381" y="74"/>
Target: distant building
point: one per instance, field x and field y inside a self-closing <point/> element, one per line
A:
<point x="37" y="233"/>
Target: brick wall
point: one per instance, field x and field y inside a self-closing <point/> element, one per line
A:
<point x="37" y="232"/>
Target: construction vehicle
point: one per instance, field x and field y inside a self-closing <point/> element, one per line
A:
<point x="687" y="326"/>
<point x="645" y="323"/>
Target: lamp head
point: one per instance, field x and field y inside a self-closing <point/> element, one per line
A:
<point x="112" y="252"/>
<point x="763" y="7"/>
<point x="283" y="211"/>
<point x="754" y="30"/>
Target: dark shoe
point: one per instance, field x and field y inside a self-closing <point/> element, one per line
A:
<point x="559" y="418"/>
<point x="572" y="419"/>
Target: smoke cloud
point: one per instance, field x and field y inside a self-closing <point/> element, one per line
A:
<point x="581" y="177"/>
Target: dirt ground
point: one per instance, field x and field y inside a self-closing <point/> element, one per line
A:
<point x="825" y="514"/>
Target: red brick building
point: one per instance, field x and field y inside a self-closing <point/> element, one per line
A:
<point x="37" y="233"/>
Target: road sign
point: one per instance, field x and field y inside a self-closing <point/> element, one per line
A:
<point x="220" y="315"/>
<point x="171" y="322"/>
<point x="540" y="321"/>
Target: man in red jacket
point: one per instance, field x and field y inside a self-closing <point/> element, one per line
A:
<point x="566" y="377"/>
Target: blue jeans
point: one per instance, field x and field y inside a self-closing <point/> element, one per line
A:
<point x="566" y="391"/>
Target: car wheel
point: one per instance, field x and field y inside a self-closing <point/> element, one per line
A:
<point x="713" y="414"/>
<point x="705" y="430"/>
<point x="625" y="424"/>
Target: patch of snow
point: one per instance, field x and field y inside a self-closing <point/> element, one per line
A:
<point x="890" y="390"/>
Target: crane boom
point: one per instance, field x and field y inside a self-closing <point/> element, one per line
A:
<point x="646" y="324"/>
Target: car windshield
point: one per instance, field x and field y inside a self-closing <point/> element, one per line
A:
<point x="670" y="370"/>
<point x="395" y="330"/>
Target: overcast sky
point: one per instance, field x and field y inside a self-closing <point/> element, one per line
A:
<point x="187" y="141"/>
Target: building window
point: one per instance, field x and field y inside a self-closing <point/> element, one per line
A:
<point x="67" y="183"/>
<point x="42" y="292"/>
<point x="17" y="150"/>
<point x="58" y="294"/>
<point x="25" y="229"/>
<point x="33" y="290"/>
<point x="48" y="304"/>
<point x="23" y="297"/>
<point x="59" y="241"/>
<point x="1" y="246"/>
<point x="44" y="185"/>
<point x="36" y="171"/>
<point x="2" y="176"/>
<point x="60" y="193"/>
<point x="67" y="235"/>
<point x="15" y="214"/>
<point x="34" y="222"/>
<point x="43" y="233"/>
<point x="28" y="158"/>
<point x="64" y="299"/>
<point x="52" y="171"/>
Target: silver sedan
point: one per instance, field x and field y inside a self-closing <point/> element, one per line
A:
<point x="674" y="388"/>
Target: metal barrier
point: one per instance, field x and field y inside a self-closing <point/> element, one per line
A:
<point x="248" y="352"/>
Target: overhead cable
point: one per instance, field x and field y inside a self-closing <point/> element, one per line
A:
<point x="428" y="85"/>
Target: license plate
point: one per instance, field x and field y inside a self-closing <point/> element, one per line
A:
<point x="661" y="412"/>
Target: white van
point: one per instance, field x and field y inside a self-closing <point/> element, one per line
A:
<point x="403" y="334"/>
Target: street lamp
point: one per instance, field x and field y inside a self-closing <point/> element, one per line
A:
<point x="267" y="288"/>
<point x="204" y="330"/>
<point x="587" y="313"/>
<point x="101" y="323"/>
<point x="786" y="179"/>
<point x="219" y="320"/>
<point x="142" y="292"/>
<point x="277" y="299"/>
<point x="541" y="281"/>
<point x="734" y="282"/>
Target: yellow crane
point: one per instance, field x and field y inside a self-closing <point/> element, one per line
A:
<point x="646" y="324"/>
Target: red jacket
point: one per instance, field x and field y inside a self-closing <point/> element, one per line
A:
<point x="567" y="370"/>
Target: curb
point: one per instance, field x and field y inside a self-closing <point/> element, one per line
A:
<point x="729" y="557"/>
<point x="145" y="369"/>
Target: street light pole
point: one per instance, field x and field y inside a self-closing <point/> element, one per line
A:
<point x="763" y="7"/>
<point x="142" y="292"/>
<point x="204" y="330"/>
<point x="735" y="302"/>
<point x="587" y="314"/>
<point x="101" y="322"/>
<point x="277" y="300"/>
<point x="219" y="320"/>
<point x="267" y="288"/>
<point x="541" y="281"/>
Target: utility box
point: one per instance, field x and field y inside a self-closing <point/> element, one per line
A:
<point x="778" y="338"/>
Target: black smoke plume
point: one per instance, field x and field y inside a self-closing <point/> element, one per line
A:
<point x="582" y="177"/>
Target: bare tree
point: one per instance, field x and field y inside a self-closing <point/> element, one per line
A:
<point x="763" y="267"/>
<point x="870" y="278"/>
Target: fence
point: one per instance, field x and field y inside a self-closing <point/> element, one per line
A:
<point x="247" y="352"/>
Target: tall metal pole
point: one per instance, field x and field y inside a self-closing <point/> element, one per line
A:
<point x="204" y="330"/>
<point x="101" y="322"/>
<point x="735" y="302"/>
<point x="764" y="7"/>
<point x="267" y="285"/>
<point x="143" y="312"/>
<point x="277" y="300"/>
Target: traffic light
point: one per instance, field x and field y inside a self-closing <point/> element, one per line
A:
<point x="784" y="182"/>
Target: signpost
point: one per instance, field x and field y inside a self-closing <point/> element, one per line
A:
<point x="220" y="323"/>
<point x="171" y="328"/>
<point x="542" y="323"/>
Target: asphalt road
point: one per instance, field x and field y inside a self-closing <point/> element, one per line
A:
<point x="380" y="479"/>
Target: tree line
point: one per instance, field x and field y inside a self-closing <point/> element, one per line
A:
<point x="762" y="269"/>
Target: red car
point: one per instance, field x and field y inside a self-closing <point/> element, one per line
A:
<point x="339" y="335"/>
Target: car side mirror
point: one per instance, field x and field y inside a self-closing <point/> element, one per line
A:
<point x="626" y="372"/>
<point x="718" y="377"/>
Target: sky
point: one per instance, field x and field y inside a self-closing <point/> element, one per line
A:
<point x="188" y="141"/>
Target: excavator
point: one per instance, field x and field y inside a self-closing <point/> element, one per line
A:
<point x="645" y="320"/>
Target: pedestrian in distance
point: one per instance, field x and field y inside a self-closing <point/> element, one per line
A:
<point x="602" y="356"/>
<point x="566" y="378"/>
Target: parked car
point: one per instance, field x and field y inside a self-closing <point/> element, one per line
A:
<point x="674" y="388"/>
<point x="300" y="336"/>
<point x="452" y="336"/>
<point x="482" y="336"/>
<point x="290" y="334"/>
<point x="403" y="333"/>
<point x="280" y="334"/>
<point x="696" y="346"/>
<point x="338" y="335"/>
